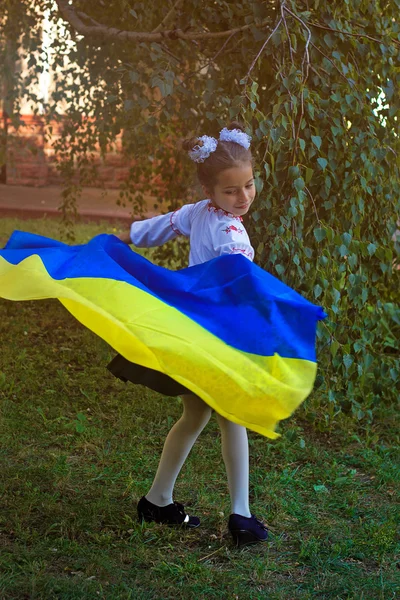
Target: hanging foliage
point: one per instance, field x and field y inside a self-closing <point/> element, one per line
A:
<point x="314" y="83"/>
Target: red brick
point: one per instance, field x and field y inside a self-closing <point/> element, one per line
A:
<point x="52" y="171"/>
<point x="28" y="157"/>
<point x="26" y="181"/>
<point x="121" y="174"/>
<point x="111" y="185"/>
<point x="114" y="159"/>
<point x="106" y="173"/>
<point x="26" y="170"/>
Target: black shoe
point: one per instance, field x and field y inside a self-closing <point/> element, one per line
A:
<point x="247" y="530"/>
<point x="173" y="514"/>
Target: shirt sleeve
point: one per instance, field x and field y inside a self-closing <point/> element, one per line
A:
<point x="232" y="238"/>
<point x="158" y="230"/>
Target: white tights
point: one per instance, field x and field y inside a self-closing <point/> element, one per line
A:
<point x="179" y="442"/>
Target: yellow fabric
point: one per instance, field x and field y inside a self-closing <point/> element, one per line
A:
<point x="251" y="390"/>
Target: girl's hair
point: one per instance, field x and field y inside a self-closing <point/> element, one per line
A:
<point x="226" y="156"/>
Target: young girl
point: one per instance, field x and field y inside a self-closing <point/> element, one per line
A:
<point x="234" y="335"/>
<point x="214" y="227"/>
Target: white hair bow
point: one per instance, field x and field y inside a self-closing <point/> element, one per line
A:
<point x="199" y="153"/>
<point x="235" y="135"/>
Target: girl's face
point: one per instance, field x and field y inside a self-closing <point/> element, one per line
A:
<point x="234" y="190"/>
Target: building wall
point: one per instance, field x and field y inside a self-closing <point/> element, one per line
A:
<point x="31" y="159"/>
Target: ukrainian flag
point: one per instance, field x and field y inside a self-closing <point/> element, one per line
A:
<point x="227" y="330"/>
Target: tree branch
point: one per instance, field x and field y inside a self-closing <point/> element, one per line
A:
<point x="363" y="35"/>
<point x="189" y="75"/>
<point x="112" y="33"/>
<point x="350" y="83"/>
<point x="261" y="50"/>
<point x="313" y="201"/>
<point x="287" y="31"/>
<point x="168" y="17"/>
<point x="306" y="56"/>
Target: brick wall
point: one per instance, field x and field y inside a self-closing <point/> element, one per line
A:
<point x="31" y="158"/>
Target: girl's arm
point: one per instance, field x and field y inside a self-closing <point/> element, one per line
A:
<point x="158" y="230"/>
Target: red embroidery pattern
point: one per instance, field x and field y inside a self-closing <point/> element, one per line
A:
<point x="243" y="251"/>
<point x="171" y="222"/>
<point x="232" y="228"/>
<point x="215" y="209"/>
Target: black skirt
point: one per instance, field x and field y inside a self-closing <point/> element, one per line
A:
<point x="159" y="382"/>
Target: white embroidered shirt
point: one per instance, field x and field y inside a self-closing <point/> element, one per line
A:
<point x="212" y="232"/>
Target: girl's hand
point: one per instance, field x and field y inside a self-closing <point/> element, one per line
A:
<point x="125" y="237"/>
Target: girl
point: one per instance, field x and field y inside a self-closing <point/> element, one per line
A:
<point x="214" y="227"/>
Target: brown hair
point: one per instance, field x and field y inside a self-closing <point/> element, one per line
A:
<point x="226" y="156"/>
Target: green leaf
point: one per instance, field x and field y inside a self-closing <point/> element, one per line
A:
<point x="320" y="234"/>
<point x="371" y="249"/>
<point x="317" y="141"/>
<point x="317" y="291"/>
<point x="322" y="162"/>
<point x="328" y="183"/>
<point x="321" y="489"/>
<point x="263" y="125"/>
<point x="334" y="348"/>
<point x="309" y="174"/>
<point x="308" y="252"/>
<point x="302" y="144"/>
<point x="368" y="360"/>
<point x="357" y="346"/>
<point x="280" y="269"/>
<point x="352" y="260"/>
<point x="128" y="104"/>
<point x="346" y="237"/>
<point x="133" y="76"/>
<point x="294" y="172"/>
<point x="259" y="184"/>
<point x="323" y="260"/>
<point x="348" y="361"/>
<point x="299" y="184"/>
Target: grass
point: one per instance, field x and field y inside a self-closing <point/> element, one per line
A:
<point x="78" y="448"/>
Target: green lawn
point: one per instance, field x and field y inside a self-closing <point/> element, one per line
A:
<point x="78" y="449"/>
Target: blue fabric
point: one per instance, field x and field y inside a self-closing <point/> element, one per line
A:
<point x="230" y="296"/>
